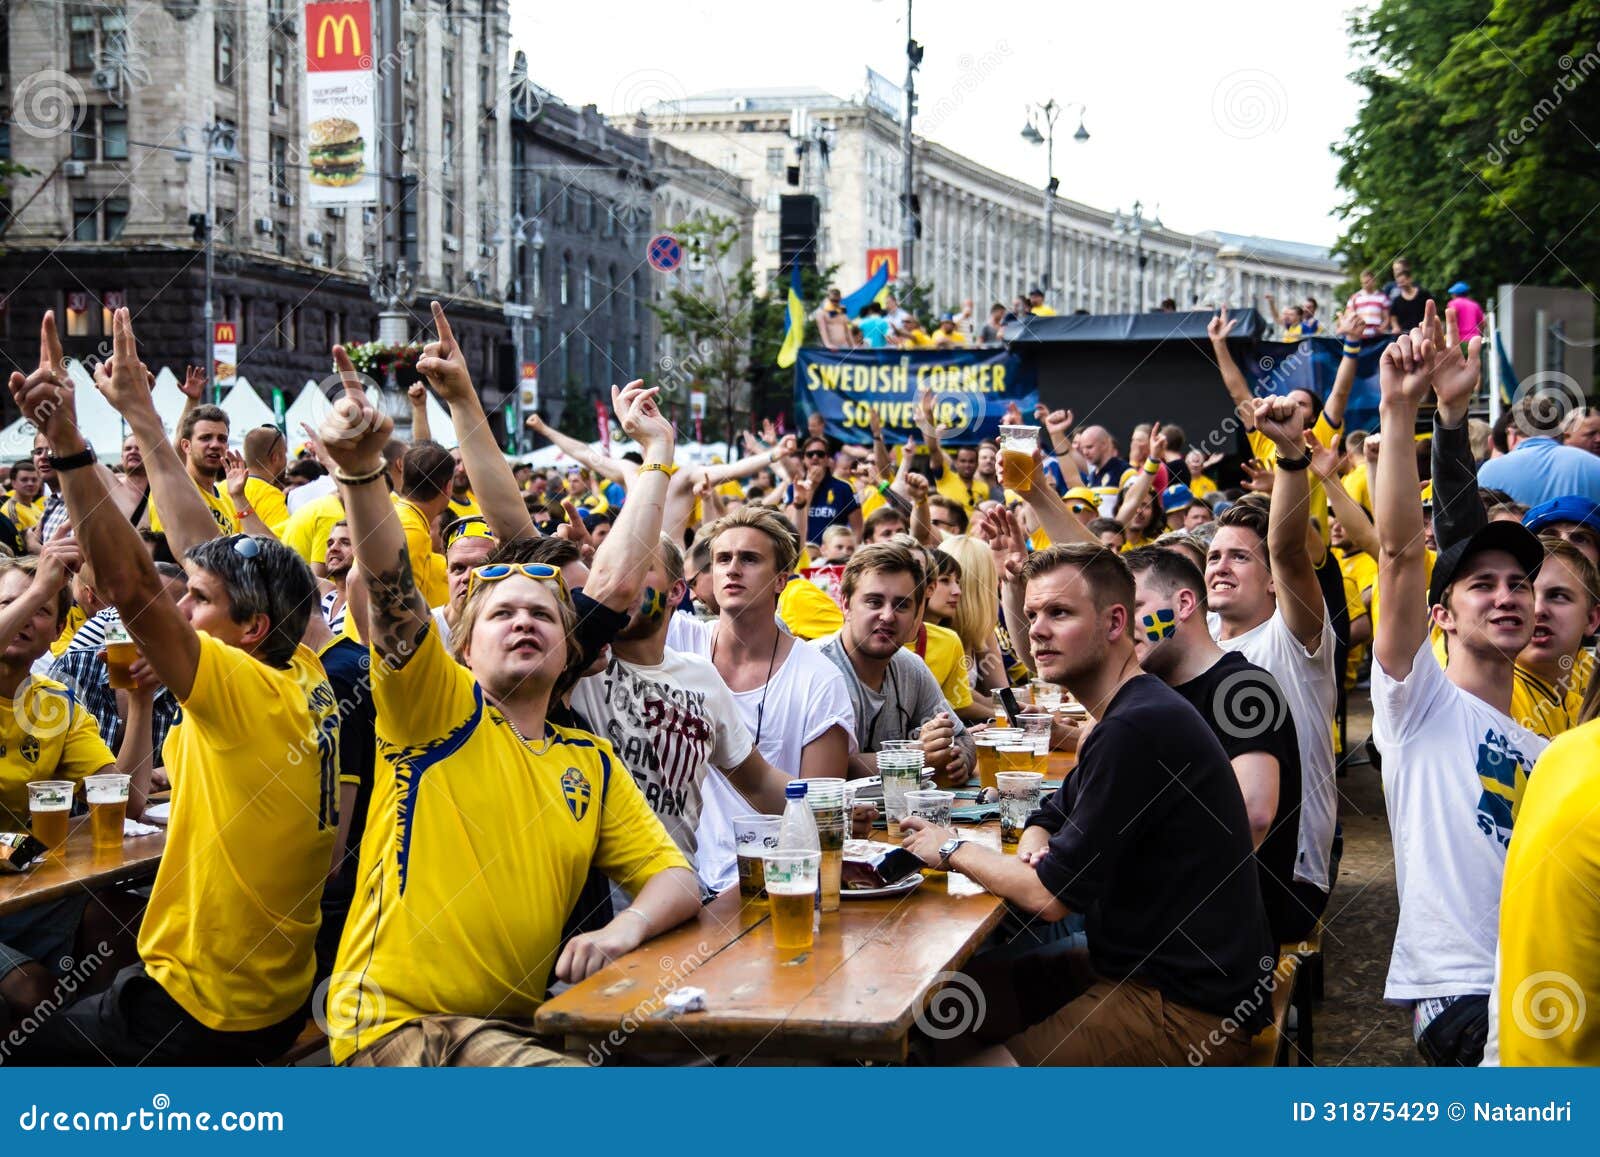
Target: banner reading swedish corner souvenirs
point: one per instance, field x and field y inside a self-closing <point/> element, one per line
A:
<point x="971" y="390"/>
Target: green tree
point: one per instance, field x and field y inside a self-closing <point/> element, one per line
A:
<point x="1475" y="150"/>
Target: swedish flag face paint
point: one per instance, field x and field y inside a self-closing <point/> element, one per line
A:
<point x="654" y="605"/>
<point x="1163" y="624"/>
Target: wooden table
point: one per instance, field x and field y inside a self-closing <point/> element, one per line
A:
<point x="870" y="973"/>
<point x="82" y="866"/>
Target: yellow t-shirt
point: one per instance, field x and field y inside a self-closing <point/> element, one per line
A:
<point x="466" y="507"/>
<point x="254" y="764"/>
<point x="950" y="485"/>
<point x="45" y="733"/>
<point x="1358" y="485"/>
<point x="220" y="506"/>
<point x="1360" y="569"/>
<point x="1201" y="486"/>
<point x="807" y="610"/>
<point x="1541" y="708"/>
<point x="1549" y="921"/>
<point x="475" y="851"/>
<point x="268" y="502"/>
<point x="23" y="515"/>
<point x="427" y="565"/>
<point x="75" y="619"/>
<point x="953" y="336"/>
<point x="306" y="532"/>
<point x="1042" y="311"/>
<point x="947" y="659"/>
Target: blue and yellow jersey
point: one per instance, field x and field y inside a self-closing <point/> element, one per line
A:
<point x="476" y="848"/>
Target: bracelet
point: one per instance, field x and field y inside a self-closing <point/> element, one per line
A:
<point x="635" y="912"/>
<point x="883" y="488"/>
<point x="1352" y="349"/>
<point x="241" y="515"/>
<point x="668" y="469"/>
<point x="344" y="479"/>
<point x="1150" y="466"/>
<point x="1293" y="464"/>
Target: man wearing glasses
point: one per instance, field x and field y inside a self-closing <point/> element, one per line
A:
<point x="824" y="499"/>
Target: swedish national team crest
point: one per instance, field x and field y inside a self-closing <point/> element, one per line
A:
<point x="30" y="749"/>
<point x="575" y="790"/>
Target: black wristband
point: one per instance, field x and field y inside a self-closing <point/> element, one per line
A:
<point x="1293" y="464"/>
<point x="82" y="458"/>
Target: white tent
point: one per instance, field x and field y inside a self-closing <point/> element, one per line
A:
<point x="101" y="424"/>
<point x="168" y="398"/>
<point x="310" y="407"/>
<point x="246" y="411"/>
<point x="440" y="425"/>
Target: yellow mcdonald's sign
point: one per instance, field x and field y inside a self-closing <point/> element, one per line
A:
<point x="340" y="25"/>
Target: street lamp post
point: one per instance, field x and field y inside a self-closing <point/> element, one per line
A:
<point x="221" y="145"/>
<point x="1048" y="112"/>
<point x="1134" y="226"/>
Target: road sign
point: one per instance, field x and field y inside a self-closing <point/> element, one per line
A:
<point x="665" y="253"/>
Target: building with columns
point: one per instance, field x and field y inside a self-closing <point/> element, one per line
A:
<point x="982" y="232"/>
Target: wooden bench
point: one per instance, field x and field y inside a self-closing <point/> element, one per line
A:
<point x="1308" y="990"/>
<point x="310" y="1049"/>
<point x="1269" y="1048"/>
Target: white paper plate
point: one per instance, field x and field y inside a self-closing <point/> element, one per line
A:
<point x="899" y="888"/>
<point x="157" y="813"/>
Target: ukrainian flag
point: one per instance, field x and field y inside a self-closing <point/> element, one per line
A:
<point x="877" y="286"/>
<point x="794" y="323"/>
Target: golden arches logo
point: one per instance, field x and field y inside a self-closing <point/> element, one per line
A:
<point x="340" y="24"/>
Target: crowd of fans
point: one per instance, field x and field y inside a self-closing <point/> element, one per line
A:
<point x="443" y="732"/>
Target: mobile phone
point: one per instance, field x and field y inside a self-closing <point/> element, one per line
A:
<point x="1009" y="702"/>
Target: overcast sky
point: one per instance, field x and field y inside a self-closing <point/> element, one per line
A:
<point x="1222" y="114"/>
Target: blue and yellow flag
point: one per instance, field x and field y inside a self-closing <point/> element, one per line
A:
<point x="794" y="323"/>
<point x="876" y="285"/>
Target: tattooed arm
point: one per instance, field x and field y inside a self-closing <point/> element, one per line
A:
<point x="354" y="433"/>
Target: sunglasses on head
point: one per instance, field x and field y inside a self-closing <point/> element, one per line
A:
<point x="1078" y="508"/>
<point x="541" y="572"/>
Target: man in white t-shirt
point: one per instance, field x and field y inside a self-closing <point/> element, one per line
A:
<point x="1453" y="758"/>
<point x="1262" y="587"/>
<point x="791" y="698"/>
<point x="670" y="717"/>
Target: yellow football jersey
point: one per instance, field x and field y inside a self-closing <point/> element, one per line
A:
<point x="45" y="733"/>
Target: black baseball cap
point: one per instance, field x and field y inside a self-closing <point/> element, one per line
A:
<point x="1511" y="537"/>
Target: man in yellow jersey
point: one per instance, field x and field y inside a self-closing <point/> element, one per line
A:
<point x="962" y="483"/>
<point x="1549" y="922"/>
<point x="266" y="455"/>
<point x="306" y="531"/>
<point x="203" y="447"/>
<point x="27" y="494"/>
<point x="425" y="474"/>
<point x="226" y="946"/>
<point x="462" y="503"/>
<point x="485" y="817"/>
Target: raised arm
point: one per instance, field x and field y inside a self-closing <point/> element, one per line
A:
<point x="493" y="484"/>
<point x="353" y="435"/>
<point x="193" y="390"/>
<point x="1141" y="486"/>
<point x="930" y="432"/>
<point x="1008" y="543"/>
<point x="1059" y="524"/>
<point x="185" y="518"/>
<point x="1350" y="328"/>
<point x="1458" y="512"/>
<point x="1293" y="573"/>
<point x="1218" y="329"/>
<point x="417" y="395"/>
<point x="611" y="469"/>
<point x="1402" y="563"/>
<point x="124" y="573"/>
<point x="237" y="474"/>
<point x="1358" y="527"/>
<point x="616" y="576"/>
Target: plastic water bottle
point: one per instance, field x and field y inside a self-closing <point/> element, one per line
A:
<point x="798" y="831"/>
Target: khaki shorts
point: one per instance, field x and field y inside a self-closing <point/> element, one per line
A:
<point x="463" y="1042"/>
<point x="1128" y="1023"/>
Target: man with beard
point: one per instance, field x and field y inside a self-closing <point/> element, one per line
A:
<point x="1245" y="709"/>
<point x="670" y="717"/>
<point x="1177" y="966"/>
<point x="1452" y="755"/>
<point x="462" y="504"/>
<point x="340" y="558"/>
<point x="203" y="445"/>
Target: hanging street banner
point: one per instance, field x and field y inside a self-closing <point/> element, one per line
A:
<point x="971" y="389"/>
<point x="224" y="353"/>
<point x="341" y="97"/>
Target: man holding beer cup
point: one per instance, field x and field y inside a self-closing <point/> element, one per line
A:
<point x="47" y="735"/>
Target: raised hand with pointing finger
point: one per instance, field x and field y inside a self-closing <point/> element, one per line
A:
<point x="355" y="431"/>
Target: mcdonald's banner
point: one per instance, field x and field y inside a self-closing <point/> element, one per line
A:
<point x="971" y="389"/>
<point x="341" y="147"/>
<point x="224" y="353"/>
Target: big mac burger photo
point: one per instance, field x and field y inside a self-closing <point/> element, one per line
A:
<point x="337" y="152"/>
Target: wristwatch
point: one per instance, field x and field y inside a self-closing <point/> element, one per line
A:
<point x="948" y="849"/>
<point x="84" y="457"/>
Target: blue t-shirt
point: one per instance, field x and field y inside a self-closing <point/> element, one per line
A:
<point x="1540" y="469"/>
<point x="875" y="331"/>
<point x="614" y="494"/>
<point x="831" y="505"/>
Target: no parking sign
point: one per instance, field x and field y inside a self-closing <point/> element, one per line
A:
<point x="665" y="253"/>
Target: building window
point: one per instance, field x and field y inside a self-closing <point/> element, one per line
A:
<point x="85" y="219"/>
<point x="277" y="74"/>
<point x="93" y="35"/>
<point x="286" y="327"/>
<point x="775" y="161"/>
<point x="447" y="144"/>
<point x="592" y="210"/>
<point x="636" y="300"/>
<point x="564" y="358"/>
<point x="408" y="132"/>
<point x="563" y="207"/>
<point x="278" y="164"/>
<point x="79" y="317"/>
<point x="116" y="217"/>
<point x="485" y="94"/>
<point x="409" y="69"/>
<point x="114" y="133"/>
<point x="484" y="152"/>
<point x="538" y="273"/>
<point x="566" y="279"/>
<point x="224" y="59"/>
<point x="83" y="137"/>
<point x="612" y="290"/>
<point x="579" y="209"/>
<point x="588" y="285"/>
<point x="447" y="69"/>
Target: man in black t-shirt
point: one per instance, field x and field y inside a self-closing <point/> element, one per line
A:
<point x="1246" y="710"/>
<point x="1148" y="838"/>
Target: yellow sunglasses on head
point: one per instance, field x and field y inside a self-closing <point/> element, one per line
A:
<point x="541" y="572"/>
